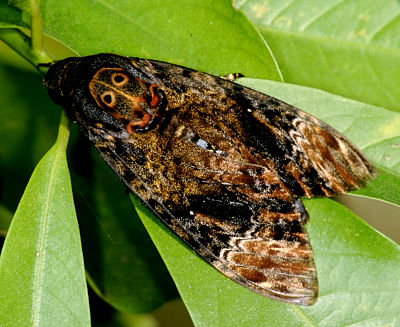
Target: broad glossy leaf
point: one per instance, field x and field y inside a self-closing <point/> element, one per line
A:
<point x="42" y="281"/>
<point x="347" y="47"/>
<point x="206" y="35"/>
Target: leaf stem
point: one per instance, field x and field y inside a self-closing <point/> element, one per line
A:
<point x="37" y="32"/>
<point x="36" y="28"/>
<point x="63" y="131"/>
<point x="21" y="43"/>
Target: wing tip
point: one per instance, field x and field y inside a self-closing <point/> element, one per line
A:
<point x="298" y="290"/>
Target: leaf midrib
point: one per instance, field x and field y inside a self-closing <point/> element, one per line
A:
<point x="379" y="48"/>
<point x="39" y="267"/>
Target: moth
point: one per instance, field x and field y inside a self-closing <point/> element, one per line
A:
<point x="222" y="165"/>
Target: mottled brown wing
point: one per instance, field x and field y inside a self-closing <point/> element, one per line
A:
<point x="253" y="237"/>
<point x="222" y="165"/>
<point x="310" y="157"/>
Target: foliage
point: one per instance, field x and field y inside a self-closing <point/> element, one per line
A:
<point x="347" y="48"/>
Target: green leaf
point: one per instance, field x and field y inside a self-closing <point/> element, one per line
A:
<point x="42" y="280"/>
<point x="29" y="47"/>
<point x="5" y="219"/>
<point x="347" y="47"/>
<point x="206" y="35"/>
<point x="11" y="17"/>
<point x="26" y="132"/>
<point x="25" y="5"/>
<point x="357" y="268"/>
<point x="18" y="41"/>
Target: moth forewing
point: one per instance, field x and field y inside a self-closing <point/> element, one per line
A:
<point x="222" y="165"/>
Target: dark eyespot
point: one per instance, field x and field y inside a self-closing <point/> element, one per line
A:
<point x="119" y="79"/>
<point x="138" y="115"/>
<point x="108" y="98"/>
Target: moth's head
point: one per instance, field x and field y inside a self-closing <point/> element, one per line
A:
<point x="106" y="85"/>
<point x="58" y="78"/>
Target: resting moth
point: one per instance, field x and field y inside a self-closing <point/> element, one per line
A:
<point x="222" y="165"/>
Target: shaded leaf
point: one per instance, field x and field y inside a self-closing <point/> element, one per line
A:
<point x="41" y="265"/>
<point x="26" y="133"/>
<point x="25" y="5"/>
<point x="5" y="219"/>
<point x="10" y="17"/>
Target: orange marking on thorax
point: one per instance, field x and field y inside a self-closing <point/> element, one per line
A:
<point x="155" y="99"/>
<point x="134" y="100"/>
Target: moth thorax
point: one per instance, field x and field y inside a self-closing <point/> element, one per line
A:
<point x="129" y="99"/>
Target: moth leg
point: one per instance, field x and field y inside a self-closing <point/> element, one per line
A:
<point x="232" y="77"/>
<point x="43" y="67"/>
<point x="301" y="210"/>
